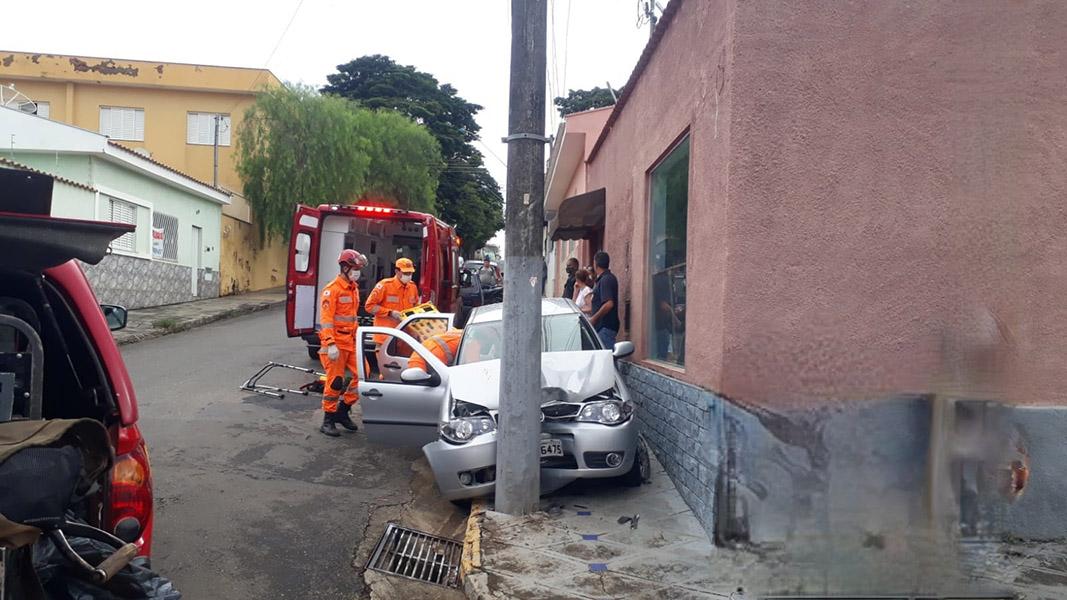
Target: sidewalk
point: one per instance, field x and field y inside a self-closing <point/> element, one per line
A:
<point x="147" y="323"/>
<point x="577" y="548"/>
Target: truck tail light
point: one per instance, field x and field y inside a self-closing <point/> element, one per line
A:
<point x="130" y="511"/>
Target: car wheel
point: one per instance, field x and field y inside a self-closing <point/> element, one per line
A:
<point x="641" y="472"/>
<point x="313" y="353"/>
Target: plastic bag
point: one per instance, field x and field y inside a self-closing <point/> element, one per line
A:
<point x="61" y="582"/>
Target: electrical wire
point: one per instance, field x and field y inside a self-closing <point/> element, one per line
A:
<point x="491" y="153"/>
<point x="566" y="43"/>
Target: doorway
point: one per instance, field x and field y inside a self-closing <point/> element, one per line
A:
<point x="198" y="258"/>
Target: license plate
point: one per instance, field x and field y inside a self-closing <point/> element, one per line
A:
<point x="551" y="448"/>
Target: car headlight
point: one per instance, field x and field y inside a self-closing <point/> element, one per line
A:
<point x="464" y="429"/>
<point x="611" y="412"/>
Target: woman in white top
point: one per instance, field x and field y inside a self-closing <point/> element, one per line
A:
<point x="583" y="291"/>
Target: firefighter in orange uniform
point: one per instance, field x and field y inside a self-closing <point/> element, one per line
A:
<point x="392" y="295"/>
<point x="337" y="336"/>
<point x="444" y="346"/>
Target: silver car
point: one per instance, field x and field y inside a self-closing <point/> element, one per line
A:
<point x="587" y="429"/>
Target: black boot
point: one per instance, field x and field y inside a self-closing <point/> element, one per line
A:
<point x="328" y="421"/>
<point x="341" y="417"/>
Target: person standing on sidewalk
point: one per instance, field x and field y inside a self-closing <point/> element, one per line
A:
<point x="393" y="295"/>
<point x="337" y="331"/>
<point x="572" y="269"/>
<point x="605" y="317"/>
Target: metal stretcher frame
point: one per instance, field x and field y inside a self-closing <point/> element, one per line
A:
<point x="252" y="383"/>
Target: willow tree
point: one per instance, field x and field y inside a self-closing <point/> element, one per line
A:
<point x="296" y="146"/>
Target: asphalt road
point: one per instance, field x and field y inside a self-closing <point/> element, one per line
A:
<point x="251" y="501"/>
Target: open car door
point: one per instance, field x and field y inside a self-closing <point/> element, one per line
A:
<point x="394" y="354"/>
<point x="302" y="294"/>
<point x="399" y="413"/>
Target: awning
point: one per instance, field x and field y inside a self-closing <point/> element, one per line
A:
<point x="579" y="216"/>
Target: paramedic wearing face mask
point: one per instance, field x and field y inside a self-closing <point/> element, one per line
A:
<point x="392" y="295"/>
<point x="337" y="329"/>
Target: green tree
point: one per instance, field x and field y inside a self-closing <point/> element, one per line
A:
<point x="297" y="146"/>
<point x="467" y="196"/>
<point x="405" y="162"/>
<point x="579" y="100"/>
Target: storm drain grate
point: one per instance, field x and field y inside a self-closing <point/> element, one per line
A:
<point x="417" y="555"/>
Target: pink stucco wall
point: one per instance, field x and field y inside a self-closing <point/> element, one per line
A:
<point x="589" y="123"/>
<point x="873" y="186"/>
<point x="685" y="87"/>
<point x="897" y="175"/>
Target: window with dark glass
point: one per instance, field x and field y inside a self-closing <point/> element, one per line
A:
<point x="669" y="205"/>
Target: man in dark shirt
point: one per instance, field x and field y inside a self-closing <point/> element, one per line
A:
<point x="572" y="268"/>
<point x="605" y="317"/>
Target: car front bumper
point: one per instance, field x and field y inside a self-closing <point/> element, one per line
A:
<point x="580" y="441"/>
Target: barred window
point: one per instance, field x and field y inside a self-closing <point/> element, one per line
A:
<point x="164" y="236"/>
<point x="124" y="212"/>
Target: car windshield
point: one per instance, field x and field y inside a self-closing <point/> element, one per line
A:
<point x="559" y="333"/>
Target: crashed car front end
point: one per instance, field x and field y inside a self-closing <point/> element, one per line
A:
<point x="583" y="435"/>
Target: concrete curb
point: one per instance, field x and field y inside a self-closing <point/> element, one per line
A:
<point x="192" y="323"/>
<point x="475" y="584"/>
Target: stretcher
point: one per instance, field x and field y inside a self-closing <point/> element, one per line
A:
<point x="253" y="385"/>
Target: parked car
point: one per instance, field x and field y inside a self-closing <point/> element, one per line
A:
<point x="80" y="373"/>
<point x="476" y="265"/>
<point x="588" y="428"/>
<point x="473" y="293"/>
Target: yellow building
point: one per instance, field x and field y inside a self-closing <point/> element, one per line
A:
<point x="168" y="110"/>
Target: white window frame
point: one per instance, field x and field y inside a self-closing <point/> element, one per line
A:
<point x="200" y="130"/>
<point x="47" y="109"/>
<point x="143" y="246"/>
<point x="135" y="133"/>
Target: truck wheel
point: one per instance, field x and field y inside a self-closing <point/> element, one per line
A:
<point x="313" y="353"/>
<point x="641" y="472"/>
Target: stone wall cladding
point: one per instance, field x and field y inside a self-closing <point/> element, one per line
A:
<point x="138" y="282"/>
<point x="759" y="476"/>
<point x="681" y="424"/>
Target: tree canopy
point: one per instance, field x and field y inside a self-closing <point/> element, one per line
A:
<point x="297" y="146"/>
<point x="467" y="196"/>
<point x="579" y="100"/>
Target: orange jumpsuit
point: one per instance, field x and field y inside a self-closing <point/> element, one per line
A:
<point x="338" y="316"/>
<point x="444" y="346"/>
<point x="389" y="295"/>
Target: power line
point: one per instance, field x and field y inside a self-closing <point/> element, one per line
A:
<point x="491" y="153"/>
<point x="566" y="43"/>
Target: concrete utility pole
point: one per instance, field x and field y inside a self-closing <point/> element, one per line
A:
<point x="518" y="454"/>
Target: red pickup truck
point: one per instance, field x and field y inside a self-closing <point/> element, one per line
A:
<point x="82" y="373"/>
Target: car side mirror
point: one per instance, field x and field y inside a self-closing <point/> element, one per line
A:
<point x="116" y="316"/>
<point x="420" y="377"/>
<point x="623" y="349"/>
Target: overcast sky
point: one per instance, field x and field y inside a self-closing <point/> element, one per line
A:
<point x="462" y="42"/>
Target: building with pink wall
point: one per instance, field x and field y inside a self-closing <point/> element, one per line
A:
<point x="813" y="204"/>
<point x="864" y="183"/>
<point x="566" y="183"/>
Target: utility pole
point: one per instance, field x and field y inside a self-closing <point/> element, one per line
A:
<point x="218" y="120"/>
<point x="518" y="455"/>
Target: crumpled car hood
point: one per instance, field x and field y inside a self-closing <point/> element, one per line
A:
<point x="565" y="377"/>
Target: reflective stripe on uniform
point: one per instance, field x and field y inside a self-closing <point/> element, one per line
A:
<point x="393" y="299"/>
<point x="345" y="299"/>
<point x="326" y="326"/>
<point x="374" y="310"/>
<point x="444" y="346"/>
<point x="344" y="318"/>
